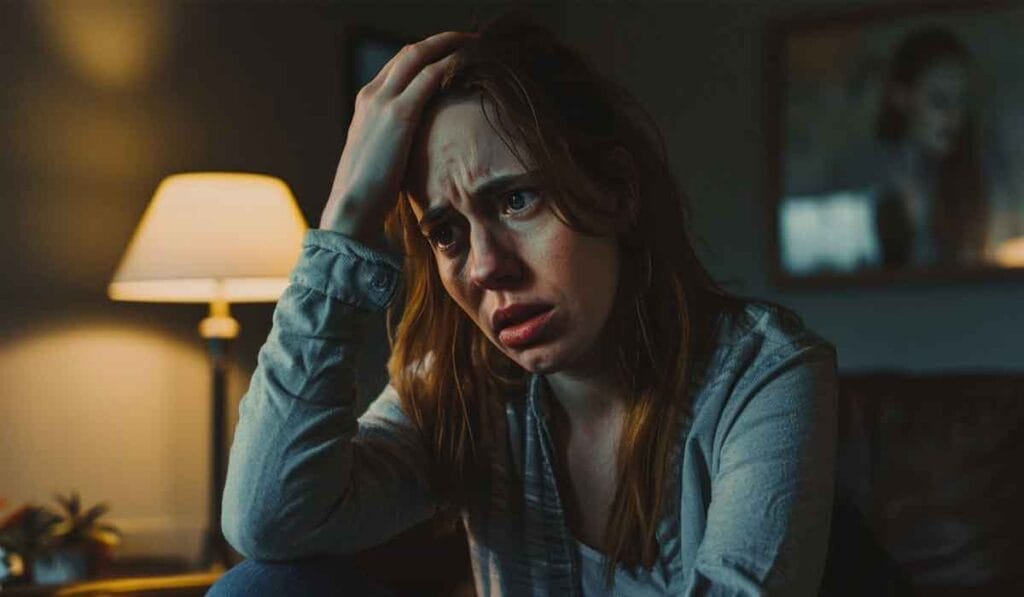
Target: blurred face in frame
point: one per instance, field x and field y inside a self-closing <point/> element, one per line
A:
<point x="539" y="290"/>
<point x="936" y="105"/>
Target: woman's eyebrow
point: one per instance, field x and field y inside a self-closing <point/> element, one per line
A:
<point x="499" y="183"/>
<point x="433" y="216"/>
<point x="488" y="188"/>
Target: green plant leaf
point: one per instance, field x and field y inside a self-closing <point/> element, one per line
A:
<point x="109" y="538"/>
<point x="108" y="528"/>
<point x="76" y="503"/>
<point x="92" y="515"/>
<point x="65" y="504"/>
<point x="62" y="528"/>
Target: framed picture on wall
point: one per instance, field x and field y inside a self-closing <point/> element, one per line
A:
<point x="896" y="144"/>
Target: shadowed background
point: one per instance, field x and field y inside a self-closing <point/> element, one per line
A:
<point x="102" y="99"/>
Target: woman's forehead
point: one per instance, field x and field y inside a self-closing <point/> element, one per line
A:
<point x="457" y="151"/>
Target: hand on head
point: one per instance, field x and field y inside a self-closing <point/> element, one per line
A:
<point x="387" y="111"/>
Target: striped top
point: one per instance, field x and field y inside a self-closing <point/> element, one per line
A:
<point x="751" y="492"/>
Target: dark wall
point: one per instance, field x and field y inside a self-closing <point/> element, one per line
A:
<point x="698" y="67"/>
<point x="247" y="86"/>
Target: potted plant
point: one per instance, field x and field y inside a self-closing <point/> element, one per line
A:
<point x="23" y="534"/>
<point x="61" y="545"/>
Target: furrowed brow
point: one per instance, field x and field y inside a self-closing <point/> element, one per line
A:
<point x="494" y="186"/>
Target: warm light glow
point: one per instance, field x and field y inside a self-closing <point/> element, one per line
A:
<point x="213" y="236"/>
<point x="1011" y="253"/>
<point x="118" y="408"/>
<point x="110" y="43"/>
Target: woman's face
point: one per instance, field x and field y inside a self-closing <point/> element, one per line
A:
<point x="936" y="104"/>
<point x="539" y="290"/>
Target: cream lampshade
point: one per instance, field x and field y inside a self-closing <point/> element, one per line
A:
<point x="212" y="236"/>
<point x="217" y="238"/>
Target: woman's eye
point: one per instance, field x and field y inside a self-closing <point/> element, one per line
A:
<point x="443" y="237"/>
<point x="520" y="200"/>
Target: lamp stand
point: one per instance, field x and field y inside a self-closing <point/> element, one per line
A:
<point x="218" y="329"/>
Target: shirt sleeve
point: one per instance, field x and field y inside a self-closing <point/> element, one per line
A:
<point x="305" y="476"/>
<point x="771" y="496"/>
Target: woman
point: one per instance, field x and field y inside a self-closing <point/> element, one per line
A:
<point x="564" y="371"/>
<point x="932" y="204"/>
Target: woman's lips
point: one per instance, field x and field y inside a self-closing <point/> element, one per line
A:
<point x="526" y="332"/>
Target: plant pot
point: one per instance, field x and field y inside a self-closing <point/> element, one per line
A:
<point x="62" y="565"/>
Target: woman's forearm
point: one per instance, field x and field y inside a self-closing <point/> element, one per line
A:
<point x="306" y="477"/>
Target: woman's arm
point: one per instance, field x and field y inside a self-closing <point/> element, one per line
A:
<point x="306" y="477"/>
<point x="771" y="498"/>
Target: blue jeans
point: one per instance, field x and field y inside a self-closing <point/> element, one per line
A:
<point x="313" y="577"/>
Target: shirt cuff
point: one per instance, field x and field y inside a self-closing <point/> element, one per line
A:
<point x="347" y="270"/>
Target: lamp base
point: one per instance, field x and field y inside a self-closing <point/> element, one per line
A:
<point x="216" y="552"/>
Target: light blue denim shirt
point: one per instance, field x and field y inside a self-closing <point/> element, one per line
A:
<point x="751" y="490"/>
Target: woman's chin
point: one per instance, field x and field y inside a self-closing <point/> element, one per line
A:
<point x="539" y="366"/>
<point x="549" y="358"/>
<point x="539" y="359"/>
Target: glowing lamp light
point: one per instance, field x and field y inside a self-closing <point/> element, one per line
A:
<point x="217" y="238"/>
<point x="1011" y="253"/>
<point x="210" y="237"/>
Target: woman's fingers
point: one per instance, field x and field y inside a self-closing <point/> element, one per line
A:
<point x="425" y="83"/>
<point x="408" y="63"/>
<point x="380" y="133"/>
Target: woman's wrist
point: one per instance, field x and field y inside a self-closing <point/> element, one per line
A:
<point x="356" y="223"/>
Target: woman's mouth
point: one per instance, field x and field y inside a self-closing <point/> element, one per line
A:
<point x="526" y="332"/>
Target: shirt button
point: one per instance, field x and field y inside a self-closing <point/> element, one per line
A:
<point x="379" y="280"/>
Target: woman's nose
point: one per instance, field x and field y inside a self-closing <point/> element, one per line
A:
<point x="492" y="263"/>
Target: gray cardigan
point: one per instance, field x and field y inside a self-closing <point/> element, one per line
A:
<point x="751" y="500"/>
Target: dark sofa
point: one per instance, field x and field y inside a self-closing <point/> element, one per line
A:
<point x="930" y="486"/>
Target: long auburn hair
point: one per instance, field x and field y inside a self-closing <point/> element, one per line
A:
<point x="579" y="130"/>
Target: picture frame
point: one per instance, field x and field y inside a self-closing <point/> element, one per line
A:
<point x="895" y="144"/>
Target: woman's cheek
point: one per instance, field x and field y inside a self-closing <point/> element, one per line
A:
<point x="549" y="246"/>
<point x="451" y="281"/>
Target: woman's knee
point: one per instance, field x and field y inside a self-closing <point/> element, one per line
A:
<point x="329" y="576"/>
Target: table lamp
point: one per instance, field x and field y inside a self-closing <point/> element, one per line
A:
<point x="216" y="238"/>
